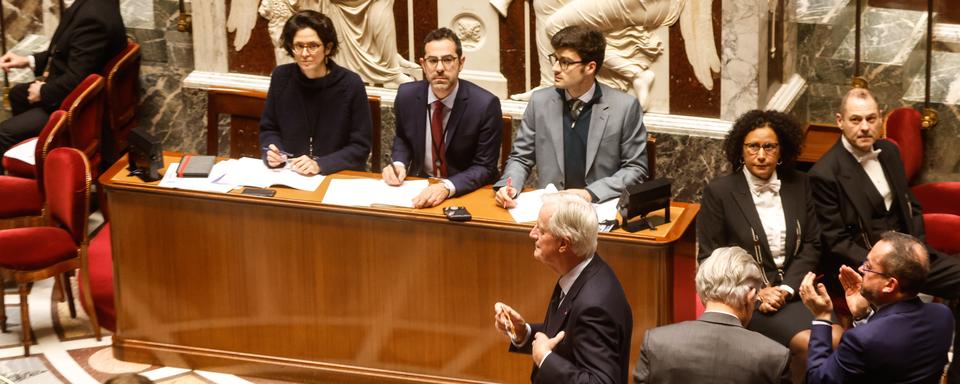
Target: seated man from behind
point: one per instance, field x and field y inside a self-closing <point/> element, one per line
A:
<point x="901" y="340"/>
<point x="447" y="127"/>
<point x="716" y="348"/>
<point x="583" y="136"/>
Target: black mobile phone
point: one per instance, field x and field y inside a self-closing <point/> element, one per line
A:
<point x="262" y="192"/>
<point x="456" y="213"/>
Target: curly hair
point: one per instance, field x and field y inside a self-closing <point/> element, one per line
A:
<point x="788" y="133"/>
<point x="318" y="22"/>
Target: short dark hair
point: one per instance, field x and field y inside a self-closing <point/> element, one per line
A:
<point x="587" y="42"/>
<point x="444" y="33"/>
<point x="908" y="261"/>
<point x="318" y="22"/>
<point x="789" y="134"/>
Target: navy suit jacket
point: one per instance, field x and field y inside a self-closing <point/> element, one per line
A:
<point x="597" y="322"/>
<point x="904" y="342"/>
<point x="472" y="134"/>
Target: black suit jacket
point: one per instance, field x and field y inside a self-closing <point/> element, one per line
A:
<point x="597" y="322"/>
<point x="472" y="134"/>
<point x="847" y="201"/>
<point x="90" y="33"/>
<point x="728" y="217"/>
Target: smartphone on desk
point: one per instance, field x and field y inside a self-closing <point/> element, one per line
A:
<point x="456" y="213"/>
<point x="261" y="192"/>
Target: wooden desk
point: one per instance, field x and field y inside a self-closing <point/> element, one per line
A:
<point x="286" y="287"/>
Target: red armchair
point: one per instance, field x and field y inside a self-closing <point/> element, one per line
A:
<point x="122" y="94"/>
<point x="940" y="200"/>
<point x="36" y="253"/>
<point x="84" y="107"/>
<point x="22" y="198"/>
<point x="99" y="264"/>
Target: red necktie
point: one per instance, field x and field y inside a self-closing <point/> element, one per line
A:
<point x="436" y="130"/>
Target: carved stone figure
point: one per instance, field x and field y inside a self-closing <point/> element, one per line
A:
<point x="365" y="28"/>
<point x="631" y="47"/>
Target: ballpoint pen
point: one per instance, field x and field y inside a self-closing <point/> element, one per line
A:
<point x="279" y="151"/>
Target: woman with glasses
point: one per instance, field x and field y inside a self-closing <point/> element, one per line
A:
<point x="316" y="119"/>
<point x="765" y="207"/>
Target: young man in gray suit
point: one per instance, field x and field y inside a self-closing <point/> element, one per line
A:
<point x="583" y="136"/>
<point x="716" y="348"/>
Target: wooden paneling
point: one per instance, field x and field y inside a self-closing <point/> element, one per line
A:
<point x="400" y="17"/>
<point x="946" y="11"/>
<point x="512" y="51"/>
<point x="256" y="57"/>
<point x="293" y="289"/>
<point x="424" y="21"/>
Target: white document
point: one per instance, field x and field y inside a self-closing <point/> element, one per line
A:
<point x="254" y="173"/>
<point x="24" y="152"/>
<point x="367" y="192"/>
<point x="606" y="211"/>
<point x="204" y="184"/>
<point x="529" y="204"/>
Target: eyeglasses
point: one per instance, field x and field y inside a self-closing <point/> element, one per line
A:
<point x="867" y="268"/>
<point x="311" y="48"/>
<point x="447" y="61"/>
<point x="769" y="148"/>
<point x="564" y="63"/>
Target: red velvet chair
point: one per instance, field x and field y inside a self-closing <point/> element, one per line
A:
<point x="21" y="198"/>
<point x="84" y="107"/>
<point x="36" y="253"/>
<point x="99" y="264"/>
<point x="122" y="94"/>
<point x="939" y="200"/>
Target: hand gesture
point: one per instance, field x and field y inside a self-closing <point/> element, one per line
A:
<point x="394" y="174"/>
<point x="852" y="282"/>
<point x="509" y="322"/>
<point x="816" y="298"/>
<point x="543" y="344"/>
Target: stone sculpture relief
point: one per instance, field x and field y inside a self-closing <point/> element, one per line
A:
<point x="631" y="47"/>
<point x="365" y="28"/>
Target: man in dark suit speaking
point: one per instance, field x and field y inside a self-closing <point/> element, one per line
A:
<point x="90" y="33"/>
<point x="447" y="128"/>
<point x="900" y="340"/>
<point x="585" y="337"/>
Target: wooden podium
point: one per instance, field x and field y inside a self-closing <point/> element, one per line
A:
<point x="289" y="288"/>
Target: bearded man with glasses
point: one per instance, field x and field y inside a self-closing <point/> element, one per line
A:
<point x="447" y="128"/>
<point x="583" y="136"/>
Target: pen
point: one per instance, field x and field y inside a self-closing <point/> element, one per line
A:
<point x="279" y="151"/>
<point x="395" y="171"/>
<point x="509" y="182"/>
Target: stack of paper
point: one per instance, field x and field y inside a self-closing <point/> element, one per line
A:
<point x="204" y="184"/>
<point x="529" y="204"/>
<point x="252" y="172"/>
<point x="25" y="152"/>
<point x="367" y="192"/>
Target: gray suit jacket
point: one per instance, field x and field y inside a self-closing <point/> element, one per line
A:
<point x="616" y="144"/>
<point x="712" y="349"/>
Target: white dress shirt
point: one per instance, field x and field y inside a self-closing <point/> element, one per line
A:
<point x="871" y="165"/>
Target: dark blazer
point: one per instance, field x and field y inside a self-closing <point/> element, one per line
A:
<point x="712" y="349"/>
<point x="847" y="201"/>
<point x="331" y="110"/>
<point x="89" y="34"/>
<point x="473" y="134"/>
<point x="904" y="342"/>
<point x="728" y="217"/>
<point x="597" y="322"/>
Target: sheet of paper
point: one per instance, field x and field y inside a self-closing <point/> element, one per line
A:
<point x="606" y="211"/>
<point x="24" y="152"/>
<point x="253" y="173"/>
<point x="529" y="203"/>
<point x="204" y="184"/>
<point x="367" y="192"/>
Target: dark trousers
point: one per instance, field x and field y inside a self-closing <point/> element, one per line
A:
<point x="944" y="281"/>
<point x="27" y="120"/>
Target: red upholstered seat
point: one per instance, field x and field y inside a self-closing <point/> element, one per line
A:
<point x="122" y="94"/>
<point x="32" y="254"/>
<point x="84" y="107"/>
<point x="19" y="197"/>
<point x="50" y="137"/>
<point x="903" y="128"/>
<point x="100" y="267"/>
<point x="35" y="247"/>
